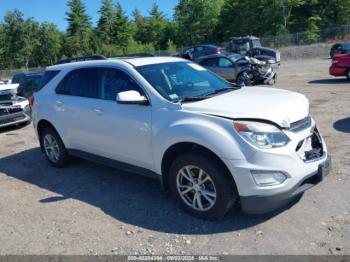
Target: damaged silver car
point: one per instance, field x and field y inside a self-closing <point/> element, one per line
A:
<point x="14" y="110"/>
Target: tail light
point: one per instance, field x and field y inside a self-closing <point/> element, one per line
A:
<point x="31" y="101"/>
<point x="217" y="50"/>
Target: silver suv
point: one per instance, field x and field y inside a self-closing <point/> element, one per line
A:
<point x="211" y="143"/>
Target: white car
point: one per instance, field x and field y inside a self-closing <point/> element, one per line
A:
<point x="211" y="143"/>
<point x="14" y="110"/>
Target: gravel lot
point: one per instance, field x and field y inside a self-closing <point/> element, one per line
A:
<point x="89" y="209"/>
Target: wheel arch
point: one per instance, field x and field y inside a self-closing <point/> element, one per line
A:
<point x="42" y="124"/>
<point x="180" y="148"/>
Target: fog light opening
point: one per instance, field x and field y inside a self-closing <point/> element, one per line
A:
<point x="268" y="178"/>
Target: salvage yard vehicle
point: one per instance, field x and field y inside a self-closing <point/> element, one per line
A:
<point x="239" y="69"/>
<point x="197" y="51"/>
<point x="340" y="48"/>
<point x="340" y="66"/>
<point x="251" y="46"/>
<point x="213" y="144"/>
<point x="259" y="72"/>
<point x="230" y="67"/>
<point x="28" y="83"/>
<point x="14" y="110"/>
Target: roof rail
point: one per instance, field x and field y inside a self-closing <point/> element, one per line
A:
<point x="135" y="55"/>
<point x="80" y="59"/>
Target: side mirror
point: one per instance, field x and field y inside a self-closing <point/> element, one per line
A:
<point x="131" y="97"/>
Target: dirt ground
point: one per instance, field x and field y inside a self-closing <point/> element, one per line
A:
<point x="89" y="209"/>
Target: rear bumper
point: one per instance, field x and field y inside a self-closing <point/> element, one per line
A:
<point x="268" y="203"/>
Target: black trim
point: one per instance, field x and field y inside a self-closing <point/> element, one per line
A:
<point x="114" y="164"/>
<point x="80" y="59"/>
<point x="265" y="204"/>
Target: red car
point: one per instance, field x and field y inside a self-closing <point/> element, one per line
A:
<point x="340" y="66"/>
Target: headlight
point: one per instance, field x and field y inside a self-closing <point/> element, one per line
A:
<point x="260" y="134"/>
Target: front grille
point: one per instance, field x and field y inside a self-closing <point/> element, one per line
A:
<point x="310" y="148"/>
<point x="7" y="103"/>
<point x="13" y="118"/>
<point x="9" y="110"/>
<point x="301" y="124"/>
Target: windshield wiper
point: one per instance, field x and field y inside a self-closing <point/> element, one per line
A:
<point x="221" y="90"/>
<point x="192" y="99"/>
<point x="208" y="95"/>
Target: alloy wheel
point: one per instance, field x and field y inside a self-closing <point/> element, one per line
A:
<point x="51" y="148"/>
<point x="196" y="188"/>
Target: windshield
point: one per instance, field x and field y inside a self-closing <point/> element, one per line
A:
<point x="182" y="80"/>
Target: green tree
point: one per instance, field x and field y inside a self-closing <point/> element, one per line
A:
<point x="196" y="20"/>
<point x="138" y="18"/>
<point x="2" y="46"/>
<point x="105" y="22"/>
<point x="13" y="40"/>
<point x="151" y="29"/>
<point x="49" y="48"/>
<point x="31" y="42"/>
<point x="122" y="31"/>
<point x="79" y="32"/>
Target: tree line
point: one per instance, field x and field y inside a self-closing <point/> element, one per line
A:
<point x="26" y="43"/>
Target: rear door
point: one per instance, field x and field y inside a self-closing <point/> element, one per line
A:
<point x="77" y="95"/>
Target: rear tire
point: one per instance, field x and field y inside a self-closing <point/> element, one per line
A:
<point x="201" y="186"/>
<point x="348" y="75"/>
<point x="53" y="147"/>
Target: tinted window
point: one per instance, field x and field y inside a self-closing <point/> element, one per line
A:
<point x="209" y="62"/>
<point x="114" y="81"/>
<point x="16" y="78"/>
<point x="81" y="82"/>
<point x="199" y="48"/>
<point x="47" y="77"/>
<point x="224" y="62"/>
<point x="33" y="82"/>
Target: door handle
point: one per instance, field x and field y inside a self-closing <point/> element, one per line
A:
<point x="98" y="111"/>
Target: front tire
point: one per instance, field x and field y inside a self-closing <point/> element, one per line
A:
<point x="201" y="186"/>
<point x="53" y="147"/>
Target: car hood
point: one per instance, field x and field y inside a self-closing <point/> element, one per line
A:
<point x="8" y="87"/>
<point x="279" y="106"/>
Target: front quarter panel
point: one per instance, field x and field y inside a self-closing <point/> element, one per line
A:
<point x="214" y="133"/>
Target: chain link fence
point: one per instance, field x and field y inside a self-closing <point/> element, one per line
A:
<point x="340" y="33"/>
<point x="7" y="74"/>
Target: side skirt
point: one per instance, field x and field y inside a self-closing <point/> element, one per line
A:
<point x="115" y="164"/>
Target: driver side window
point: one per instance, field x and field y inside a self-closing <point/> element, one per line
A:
<point x="113" y="81"/>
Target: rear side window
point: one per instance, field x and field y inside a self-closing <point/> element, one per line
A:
<point x="16" y="78"/>
<point x="224" y="62"/>
<point x="81" y="82"/>
<point x="47" y="77"/>
<point x="209" y="62"/>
